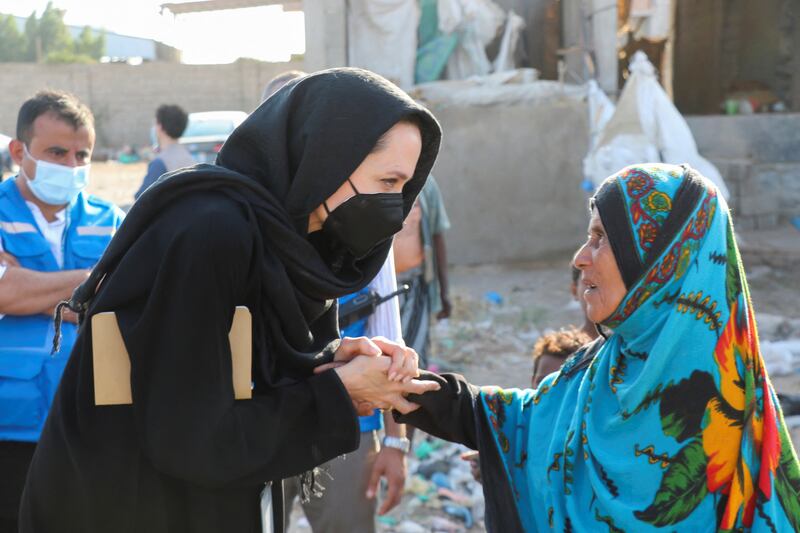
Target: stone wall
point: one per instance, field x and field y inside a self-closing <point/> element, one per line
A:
<point x="124" y="97"/>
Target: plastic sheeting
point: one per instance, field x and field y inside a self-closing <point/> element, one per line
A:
<point x="508" y="44"/>
<point x="435" y="47"/>
<point x="477" y="23"/>
<point x="646" y="127"/>
<point x="382" y="37"/>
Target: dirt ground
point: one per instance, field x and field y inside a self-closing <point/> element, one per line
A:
<point x="500" y="310"/>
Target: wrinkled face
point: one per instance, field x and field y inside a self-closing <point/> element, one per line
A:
<point x="577" y="289"/>
<point x="545" y="364"/>
<point x="604" y="288"/>
<point x="387" y="169"/>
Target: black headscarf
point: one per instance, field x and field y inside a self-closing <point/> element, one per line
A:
<point x="280" y="164"/>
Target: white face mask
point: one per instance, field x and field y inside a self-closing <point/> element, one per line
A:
<point x="56" y="184"/>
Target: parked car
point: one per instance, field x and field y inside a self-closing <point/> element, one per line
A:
<point x="207" y="131"/>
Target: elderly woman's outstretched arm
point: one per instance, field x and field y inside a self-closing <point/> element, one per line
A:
<point x="453" y="413"/>
<point x="448" y="413"/>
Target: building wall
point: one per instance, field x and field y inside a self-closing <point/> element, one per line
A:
<point x="758" y="157"/>
<point x="722" y="42"/>
<point x="698" y="51"/>
<point x="124" y="98"/>
<point x="510" y="176"/>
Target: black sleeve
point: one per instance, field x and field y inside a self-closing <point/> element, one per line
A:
<point x="188" y="423"/>
<point x="452" y="413"/>
<point x="448" y="413"/>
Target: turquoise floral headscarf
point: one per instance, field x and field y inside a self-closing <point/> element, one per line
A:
<point x="671" y="424"/>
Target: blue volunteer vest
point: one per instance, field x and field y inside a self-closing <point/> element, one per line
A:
<point x="29" y="375"/>
<point x="358" y="329"/>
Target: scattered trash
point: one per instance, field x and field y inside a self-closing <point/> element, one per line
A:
<point x="443" y="525"/>
<point x="387" y="520"/>
<point x="429" y="470"/>
<point x="494" y="297"/>
<point x="426" y="447"/>
<point x="781" y="357"/>
<point x="461" y="512"/>
<point x="461" y="499"/>
<point x="790" y="404"/>
<point x="441" y="480"/>
<point x="407" y="526"/>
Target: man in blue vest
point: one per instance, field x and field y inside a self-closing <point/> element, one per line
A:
<point x="51" y="235"/>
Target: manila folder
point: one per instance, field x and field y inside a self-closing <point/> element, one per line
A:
<point x="112" y="364"/>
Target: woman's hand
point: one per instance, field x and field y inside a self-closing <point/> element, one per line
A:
<point x="368" y="386"/>
<point x="405" y="361"/>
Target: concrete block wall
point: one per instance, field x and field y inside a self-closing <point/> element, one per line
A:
<point x="124" y="97"/>
<point x="759" y="158"/>
<point x="510" y="176"/>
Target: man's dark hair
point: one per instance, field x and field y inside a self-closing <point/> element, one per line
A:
<point x="63" y="105"/>
<point x="173" y="119"/>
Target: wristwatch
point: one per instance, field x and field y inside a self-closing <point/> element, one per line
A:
<point x="398" y="443"/>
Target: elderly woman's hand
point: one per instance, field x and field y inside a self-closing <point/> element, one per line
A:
<point x="366" y="381"/>
<point x="405" y="361"/>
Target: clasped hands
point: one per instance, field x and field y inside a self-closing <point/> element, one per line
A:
<point x="377" y="374"/>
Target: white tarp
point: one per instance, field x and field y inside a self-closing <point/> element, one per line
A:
<point x="508" y="44"/>
<point x="646" y="127"/>
<point x="382" y="37"/>
<point x="477" y="22"/>
<point x="601" y="109"/>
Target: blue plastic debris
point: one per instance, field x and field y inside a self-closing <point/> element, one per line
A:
<point x="441" y="480"/>
<point x="494" y="297"/>
<point x="460" y="512"/>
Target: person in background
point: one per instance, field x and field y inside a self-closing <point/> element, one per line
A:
<point x="51" y="235"/>
<point x="171" y="121"/>
<point x="279" y="81"/>
<point x="420" y="257"/>
<point x="552" y="349"/>
<point x="348" y="501"/>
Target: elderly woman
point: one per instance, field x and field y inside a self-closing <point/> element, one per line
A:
<point x="667" y="423"/>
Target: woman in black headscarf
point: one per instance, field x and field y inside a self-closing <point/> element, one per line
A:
<point x="282" y="224"/>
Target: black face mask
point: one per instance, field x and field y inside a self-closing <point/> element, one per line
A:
<point x="365" y="221"/>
